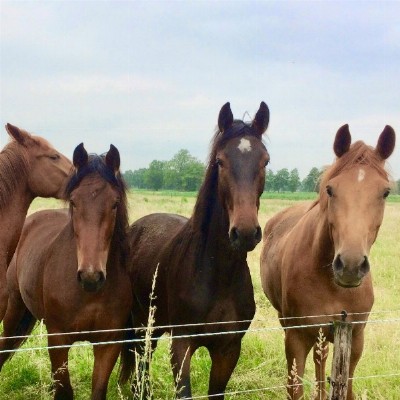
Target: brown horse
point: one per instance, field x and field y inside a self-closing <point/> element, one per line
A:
<point x="29" y="167"/>
<point x="68" y="269"/>
<point x="203" y="277"/>
<point x="314" y="259"/>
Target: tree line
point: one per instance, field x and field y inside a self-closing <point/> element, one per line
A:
<point x="185" y="173"/>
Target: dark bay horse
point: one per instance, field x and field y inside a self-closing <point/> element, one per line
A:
<point x="314" y="259"/>
<point x="68" y="269"/>
<point x="202" y="275"/>
<point x="29" y="167"/>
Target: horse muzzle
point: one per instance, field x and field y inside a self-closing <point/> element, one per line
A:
<point x="245" y="240"/>
<point x="91" y="281"/>
<point x="349" y="274"/>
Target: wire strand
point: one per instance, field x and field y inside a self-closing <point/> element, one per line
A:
<point x="170" y="337"/>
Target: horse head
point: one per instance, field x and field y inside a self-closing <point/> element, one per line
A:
<point x="355" y="189"/>
<point x="47" y="169"/>
<point x="240" y="159"/>
<point x="96" y="194"/>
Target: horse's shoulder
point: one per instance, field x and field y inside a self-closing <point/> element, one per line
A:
<point x="284" y="221"/>
<point x="44" y="221"/>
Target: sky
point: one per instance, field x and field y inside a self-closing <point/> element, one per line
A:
<point x="151" y="76"/>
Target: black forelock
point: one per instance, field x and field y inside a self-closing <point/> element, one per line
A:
<point x="94" y="165"/>
<point x="237" y="129"/>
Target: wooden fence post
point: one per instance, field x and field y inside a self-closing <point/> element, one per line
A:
<point x="341" y="360"/>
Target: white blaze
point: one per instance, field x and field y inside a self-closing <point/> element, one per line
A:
<point x="244" y="145"/>
<point x="361" y="175"/>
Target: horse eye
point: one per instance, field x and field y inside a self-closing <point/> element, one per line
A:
<point x="266" y="163"/>
<point x="115" y="205"/>
<point x="71" y="202"/>
<point x="329" y="191"/>
<point x="218" y="162"/>
<point x="386" y="194"/>
<point x="54" y="157"/>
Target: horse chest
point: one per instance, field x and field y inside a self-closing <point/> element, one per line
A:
<point x="213" y="295"/>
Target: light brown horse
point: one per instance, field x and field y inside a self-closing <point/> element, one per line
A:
<point x="29" y="167"/>
<point x="69" y="270"/>
<point x="203" y="277"/>
<point x="314" y="259"/>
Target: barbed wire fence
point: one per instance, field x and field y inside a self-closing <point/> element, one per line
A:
<point x="252" y="330"/>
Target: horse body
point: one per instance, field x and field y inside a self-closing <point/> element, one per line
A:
<point x="59" y="274"/>
<point x="29" y="167"/>
<point x="202" y="274"/>
<point x="314" y="260"/>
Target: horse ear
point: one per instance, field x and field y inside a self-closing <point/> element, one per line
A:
<point x="80" y="157"/>
<point x="386" y="142"/>
<point x="19" y="135"/>
<point x="261" y="120"/>
<point x="342" y="141"/>
<point x="225" y="118"/>
<point x="112" y="158"/>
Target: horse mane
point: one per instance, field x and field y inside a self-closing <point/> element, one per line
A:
<point x="96" y="165"/>
<point x="358" y="154"/>
<point x="13" y="170"/>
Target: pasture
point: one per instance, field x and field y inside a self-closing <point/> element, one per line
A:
<point x="261" y="371"/>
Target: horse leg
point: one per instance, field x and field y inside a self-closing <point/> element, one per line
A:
<point x="224" y="361"/>
<point x="18" y="321"/>
<point x="59" y="368"/>
<point x="105" y="358"/>
<point x="357" y="346"/>
<point x="181" y="355"/>
<point x="297" y="347"/>
<point x="321" y="351"/>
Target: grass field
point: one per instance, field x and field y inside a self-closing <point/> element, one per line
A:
<point x="262" y="363"/>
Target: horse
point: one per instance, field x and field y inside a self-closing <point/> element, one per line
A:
<point x="314" y="257"/>
<point x="29" y="167"/>
<point x="68" y="269"/>
<point x="203" y="288"/>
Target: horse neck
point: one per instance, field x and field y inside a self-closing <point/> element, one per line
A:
<point x="117" y="252"/>
<point x="12" y="217"/>
<point x="321" y="242"/>
<point x="211" y="222"/>
<point x="15" y="194"/>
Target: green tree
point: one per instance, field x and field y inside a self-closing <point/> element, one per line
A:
<point x="183" y="172"/>
<point x="310" y="182"/>
<point x="193" y="176"/>
<point x="294" y="180"/>
<point x="135" y="178"/>
<point x="281" y="181"/>
<point x="154" y="176"/>
<point x="128" y="178"/>
<point x="269" y="185"/>
<point x="396" y="187"/>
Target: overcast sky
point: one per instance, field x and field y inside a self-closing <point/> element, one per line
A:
<point x="150" y="77"/>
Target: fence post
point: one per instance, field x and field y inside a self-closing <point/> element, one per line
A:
<point x="341" y="359"/>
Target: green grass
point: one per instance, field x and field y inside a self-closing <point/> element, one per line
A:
<point x="262" y="362"/>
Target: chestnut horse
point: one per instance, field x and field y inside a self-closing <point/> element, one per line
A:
<point x="202" y="274"/>
<point x="314" y="259"/>
<point x="29" y="167"/>
<point x="68" y="269"/>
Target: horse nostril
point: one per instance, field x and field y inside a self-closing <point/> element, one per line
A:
<point x="233" y="235"/>
<point x="79" y="276"/>
<point x="364" y="267"/>
<point x="337" y="264"/>
<point x="101" y="277"/>
<point x="258" y="234"/>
